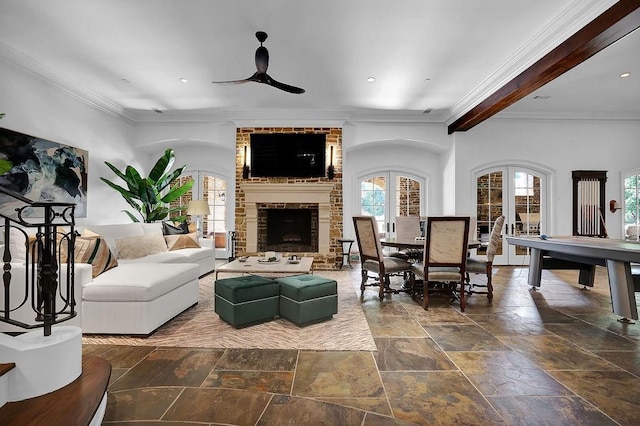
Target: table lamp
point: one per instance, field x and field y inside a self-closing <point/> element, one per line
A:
<point x="198" y="208"/>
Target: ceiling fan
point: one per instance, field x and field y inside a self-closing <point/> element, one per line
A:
<point x="261" y="76"/>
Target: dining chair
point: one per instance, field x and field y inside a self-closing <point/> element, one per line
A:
<point x="484" y="264"/>
<point x="373" y="260"/>
<point x="407" y="229"/>
<point x="445" y="256"/>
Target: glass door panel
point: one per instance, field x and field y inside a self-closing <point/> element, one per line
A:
<point x="525" y="213"/>
<point x="490" y="206"/>
<point x="373" y="200"/>
<point x="408" y="199"/>
<point x="214" y="190"/>
<point x="632" y="207"/>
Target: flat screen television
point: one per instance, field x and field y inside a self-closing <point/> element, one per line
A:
<point x="288" y="155"/>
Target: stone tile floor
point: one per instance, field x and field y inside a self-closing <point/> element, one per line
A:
<point x="555" y="356"/>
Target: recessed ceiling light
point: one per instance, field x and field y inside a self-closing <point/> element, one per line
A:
<point x="158" y="110"/>
<point x="371" y="79"/>
<point x="184" y="80"/>
<point x="625" y="74"/>
<point x="542" y="97"/>
<point x="124" y="80"/>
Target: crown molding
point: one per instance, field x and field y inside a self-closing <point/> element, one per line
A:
<point x="575" y="16"/>
<point x="57" y="81"/>
<point x="558" y="116"/>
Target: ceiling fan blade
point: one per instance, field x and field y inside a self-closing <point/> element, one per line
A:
<point x="254" y="77"/>
<point x="282" y="86"/>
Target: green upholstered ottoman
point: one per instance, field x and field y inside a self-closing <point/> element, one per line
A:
<point x="246" y="300"/>
<point x="306" y="299"/>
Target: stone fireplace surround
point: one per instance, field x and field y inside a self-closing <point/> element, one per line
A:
<point x="278" y="193"/>
<point x="330" y="257"/>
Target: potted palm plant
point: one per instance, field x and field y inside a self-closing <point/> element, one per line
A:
<point x="149" y="195"/>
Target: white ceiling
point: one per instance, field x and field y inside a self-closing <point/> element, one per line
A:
<point x="127" y="56"/>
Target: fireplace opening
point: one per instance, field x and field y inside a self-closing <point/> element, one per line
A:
<point x="288" y="230"/>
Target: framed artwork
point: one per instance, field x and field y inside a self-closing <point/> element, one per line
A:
<point x="42" y="170"/>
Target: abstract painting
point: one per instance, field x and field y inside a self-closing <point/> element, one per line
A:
<point x="42" y="170"/>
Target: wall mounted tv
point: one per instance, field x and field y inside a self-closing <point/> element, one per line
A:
<point x="288" y="155"/>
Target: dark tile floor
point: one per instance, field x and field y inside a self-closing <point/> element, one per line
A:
<point x="556" y="356"/>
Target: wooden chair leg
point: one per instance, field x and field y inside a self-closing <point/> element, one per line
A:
<point x="365" y="277"/>
<point x="385" y="282"/>
<point x="425" y="294"/>
<point x="489" y="285"/>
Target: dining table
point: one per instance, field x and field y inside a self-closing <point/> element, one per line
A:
<point x="417" y="243"/>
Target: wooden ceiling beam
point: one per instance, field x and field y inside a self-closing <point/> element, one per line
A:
<point x="616" y="22"/>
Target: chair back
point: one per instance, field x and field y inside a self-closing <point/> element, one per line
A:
<point x="495" y="240"/>
<point x="446" y="242"/>
<point x="368" y="238"/>
<point x="407" y="228"/>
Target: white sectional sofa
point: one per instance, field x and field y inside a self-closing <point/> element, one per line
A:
<point x="139" y="294"/>
<point x="203" y="256"/>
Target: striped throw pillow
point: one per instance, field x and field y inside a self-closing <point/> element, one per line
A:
<point x="92" y="249"/>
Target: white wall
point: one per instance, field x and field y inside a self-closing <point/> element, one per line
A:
<point x="374" y="147"/>
<point x="559" y="145"/>
<point x="36" y="108"/>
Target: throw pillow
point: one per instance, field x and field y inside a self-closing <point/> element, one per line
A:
<point x="92" y="249"/>
<point x="140" y="246"/>
<point x="177" y="242"/>
<point x="22" y="247"/>
<point x="18" y="245"/>
<point x="169" y="228"/>
<point x="110" y="233"/>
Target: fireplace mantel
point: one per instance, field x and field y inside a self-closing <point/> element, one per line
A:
<point x="313" y="192"/>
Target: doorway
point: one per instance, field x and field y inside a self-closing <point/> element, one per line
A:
<point x="212" y="188"/>
<point x="520" y="194"/>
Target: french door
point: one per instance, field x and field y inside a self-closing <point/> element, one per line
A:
<point x="212" y="189"/>
<point x="518" y="193"/>
<point x="388" y="194"/>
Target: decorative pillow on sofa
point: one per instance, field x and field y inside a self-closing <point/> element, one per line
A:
<point x="177" y="242"/>
<point x="140" y="246"/>
<point x="22" y="246"/>
<point x="91" y="248"/>
<point x="168" y="228"/>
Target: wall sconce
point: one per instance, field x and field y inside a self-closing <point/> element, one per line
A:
<point x="245" y="167"/>
<point x="613" y="206"/>
<point x="198" y="208"/>
<point x="330" y="170"/>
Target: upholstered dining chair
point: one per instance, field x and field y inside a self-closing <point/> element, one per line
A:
<point x="373" y="260"/>
<point x="407" y="229"/>
<point x="445" y="256"/>
<point x="484" y="264"/>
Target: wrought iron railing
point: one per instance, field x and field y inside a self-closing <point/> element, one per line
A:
<point x="48" y="251"/>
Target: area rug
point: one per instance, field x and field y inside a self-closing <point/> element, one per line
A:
<point x="200" y="327"/>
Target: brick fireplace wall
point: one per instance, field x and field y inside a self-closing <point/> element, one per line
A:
<point x="334" y="139"/>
